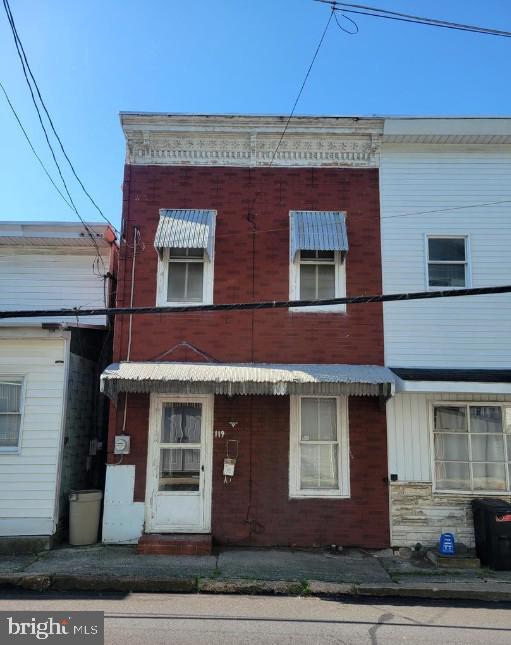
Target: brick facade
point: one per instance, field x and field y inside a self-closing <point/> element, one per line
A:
<point x="252" y="263"/>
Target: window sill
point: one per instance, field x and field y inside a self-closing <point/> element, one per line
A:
<point x="326" y="309"/>
<point x="428" y="288"/>
<point x="315" y="495"/>
<point x="473" y="493"/>
<point x="9" y="451"/>
<point x="182" y="304"/>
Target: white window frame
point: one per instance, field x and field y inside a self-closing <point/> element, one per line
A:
<point x="162" y="282"/>
<point x="295" y="491"/>
<point x="340" y="283"/>
<point x="467" y="263"/>
<point x="467" y="404"/>
<point x="6" y="378"/>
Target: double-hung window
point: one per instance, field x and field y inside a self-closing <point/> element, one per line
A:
<point x="10" y="414"/>
<point x="185" y="244"/>
<point x="318" y="246"/>
<point x="318" y="447"/>
<point x="447" y="262"/>
<point x="472" y="447"/>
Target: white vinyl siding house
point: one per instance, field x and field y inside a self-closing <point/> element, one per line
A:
<point x="445" y="191"/>
<point x="47" y="386"/>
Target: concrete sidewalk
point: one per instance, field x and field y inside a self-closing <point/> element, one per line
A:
<point x="256" y="571"/>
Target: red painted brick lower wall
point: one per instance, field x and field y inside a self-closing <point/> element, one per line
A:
<point x="255" y="509"/>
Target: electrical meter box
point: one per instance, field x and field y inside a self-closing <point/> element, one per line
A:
<point x="122" y="444"/>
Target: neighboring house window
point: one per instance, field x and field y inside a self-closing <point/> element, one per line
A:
<point x="318" y="447"/>
<point x="472" y="447"/>
<point x="318" y="275"/>
<point x="10" y="415"/>
<point x="447" y="262"/>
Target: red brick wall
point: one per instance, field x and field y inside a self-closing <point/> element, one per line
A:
<point x="278" y="336"/>
<point x="255" y="508"/>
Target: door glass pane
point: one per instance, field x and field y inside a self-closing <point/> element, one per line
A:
<point x="318" y="467"/>
<point x="446" y="275"/>
<point x="308" y="282"/>
<point x="485" y="418"/>
<point x="488" y="447"/>
<point x="176" y="281"/>
<point x="195" y="277"/>
<point x="451" y="447"/>
<point x="489" y="476"/>
<point x="508" y="440"/>
<point x="9" y="430"/>
<point x="452" y="476"/>
<point x="318" y="419"/>
<point x="447" y="249"/>
<point x="450" y="418"/>
<point x="181" y="423"/>
<point x="179" y="469"/>
<point x="326" y="281"/>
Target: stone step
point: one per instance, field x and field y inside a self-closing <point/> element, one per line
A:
<point x="175" y="544"/>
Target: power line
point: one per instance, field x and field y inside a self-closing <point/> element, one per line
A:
<point x="24" y="59"/>
<point x="375" y="12"/>
<point x="448" y="208"/>
<point x="18" y="45"/>
<point x="247" y="306"/>
<point x="31" y="146"/>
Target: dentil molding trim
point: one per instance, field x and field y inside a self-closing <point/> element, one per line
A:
<point x="251" y="141"/>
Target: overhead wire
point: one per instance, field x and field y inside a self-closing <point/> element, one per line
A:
<point x="377" y="12"/>
<point x="24" y="60"/>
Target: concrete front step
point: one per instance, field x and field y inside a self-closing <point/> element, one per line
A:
<point x="175" y="544"/>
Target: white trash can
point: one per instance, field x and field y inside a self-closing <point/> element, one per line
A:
<point x="84" y="512"/>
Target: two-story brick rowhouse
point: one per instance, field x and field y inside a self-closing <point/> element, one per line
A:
<point x="295" y="396"/>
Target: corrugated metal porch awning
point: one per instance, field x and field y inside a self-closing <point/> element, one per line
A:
<point x="249" y="378"/>
<point x="318" y="231"/>
<point x="185" y="229"/>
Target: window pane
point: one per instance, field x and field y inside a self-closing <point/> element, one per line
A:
<point x="326" y="281"/>
<point x="195" y="271"/>
<point x="488" y="448"/>
<point x="450" y="418"/>
<point x="485" y="419"/>
<point x="10" y="397"/>
<point x="176" y="281"/>
<point x="452" y="476"/>
<point x="181" y="423"/>
<point x="318" y="467"/>
<point x="9" y="430"/>
<point x="308" y="282"/>
<point x="447" y="249"/>
<point x="489" y="476"/>
<point x="451" y="447"/>
<point x="508" y="439"/>
<point x="179" y="469"/>
<point x="326" y="255"/>
<point x="318" y="419"/>
<point x="446" y="275"/>
<point x="186" y="253"/>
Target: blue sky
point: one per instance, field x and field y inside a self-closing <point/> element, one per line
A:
<point x="96" y="57"/>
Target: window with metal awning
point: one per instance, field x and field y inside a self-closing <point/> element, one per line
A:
<point x="185" y="241"/>
<point x="186" y="229"/>
<point x="318" y="245"/>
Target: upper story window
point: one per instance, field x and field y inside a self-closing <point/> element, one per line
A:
<point x="447" y="262"/>
<point x="185" y="243"/>
<point x="318" y="246"/>
<point x="10" y="414"/>
<point x="472" y="447"/>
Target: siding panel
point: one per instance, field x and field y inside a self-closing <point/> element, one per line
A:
<point x="466" y="332"/>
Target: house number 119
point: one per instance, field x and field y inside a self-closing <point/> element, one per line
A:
<point x="219" y="434"/>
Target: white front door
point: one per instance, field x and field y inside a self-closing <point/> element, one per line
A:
<point x="179" y="464"/>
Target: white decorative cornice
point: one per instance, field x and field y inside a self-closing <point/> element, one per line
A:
<point x="176" y="140"/>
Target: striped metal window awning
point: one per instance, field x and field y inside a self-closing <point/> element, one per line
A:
<point x="318" y="231"/>
<point x="186" y="229"/>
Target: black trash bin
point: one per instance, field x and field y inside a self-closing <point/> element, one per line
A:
<point x="492" y="530"/>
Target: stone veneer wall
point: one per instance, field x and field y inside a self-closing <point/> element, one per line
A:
<point x="419" y="515"/>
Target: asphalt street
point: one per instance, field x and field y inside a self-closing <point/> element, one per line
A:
<point x="196" y="619"/>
